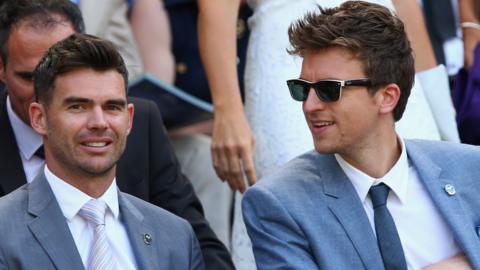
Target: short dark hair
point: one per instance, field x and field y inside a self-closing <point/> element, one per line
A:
<point x="371" y="32"/>
<point x="75" y="52"/>
<point x="40" y="13"/>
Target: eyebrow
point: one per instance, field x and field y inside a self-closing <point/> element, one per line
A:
<point x="118" y="102"/>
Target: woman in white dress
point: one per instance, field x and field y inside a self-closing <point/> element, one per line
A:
<point x="276" y="120"/>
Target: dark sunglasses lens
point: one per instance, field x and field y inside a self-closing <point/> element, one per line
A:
<point x="327" y="91"/>
<point x="298" y="90"/>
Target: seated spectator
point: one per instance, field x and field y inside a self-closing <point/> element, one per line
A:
<point x="350" y="203"/>
<point x="73" y="215"/>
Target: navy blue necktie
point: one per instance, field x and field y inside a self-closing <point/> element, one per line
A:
<point x="387" y="235"/>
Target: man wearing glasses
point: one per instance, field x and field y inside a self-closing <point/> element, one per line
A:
<point x="366" y="198"/>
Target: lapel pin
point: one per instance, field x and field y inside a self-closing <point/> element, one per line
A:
<point x="147" y="239"/>
<point x="450" y="189"/>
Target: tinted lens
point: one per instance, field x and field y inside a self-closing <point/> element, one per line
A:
<point x="327" y="90"/>
<point x="298" y="90"/>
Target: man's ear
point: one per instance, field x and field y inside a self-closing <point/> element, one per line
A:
<point x="131" y="112"/>
<point x="389" y="96"/>
<point x="38" y="117"/>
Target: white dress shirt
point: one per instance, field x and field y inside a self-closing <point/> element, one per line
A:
<point x="28" y="141"/>
<point x="425" y="236"/>
<point x="71" y="200"/>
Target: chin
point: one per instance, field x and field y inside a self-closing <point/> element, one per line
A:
<point x="98" y="169"/>
<point x="323" y="148"/>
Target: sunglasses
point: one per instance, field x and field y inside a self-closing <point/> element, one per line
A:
<point x="326" y="90"/>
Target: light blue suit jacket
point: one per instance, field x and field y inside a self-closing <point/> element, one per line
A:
<point x="34" y="233"/>
<point x="308" y="215"/>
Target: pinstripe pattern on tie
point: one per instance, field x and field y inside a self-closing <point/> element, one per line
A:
<point x="100" y="257"/>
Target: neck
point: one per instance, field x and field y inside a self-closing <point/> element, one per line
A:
<point x="18" y="112"/>
<point x="92" y="185"/>
<point x="378" y="158"/>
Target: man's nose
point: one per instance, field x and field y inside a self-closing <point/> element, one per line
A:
<point x="97" y="119"/>
<point x="313" y="103"/>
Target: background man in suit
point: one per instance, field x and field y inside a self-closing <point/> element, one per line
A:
<point x="148" y="168"/>
<point x="73" y="216"/>
<point x="327" y="209"/>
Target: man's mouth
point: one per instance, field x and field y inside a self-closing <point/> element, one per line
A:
<point x="319" y="124"/>
<point x="96" y="144"/>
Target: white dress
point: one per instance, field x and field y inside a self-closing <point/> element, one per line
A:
<point x="277" y="120"/>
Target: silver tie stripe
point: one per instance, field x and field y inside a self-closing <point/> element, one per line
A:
<point x="100" y="257"/>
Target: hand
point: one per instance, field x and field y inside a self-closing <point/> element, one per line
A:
<point x="471" y="37"/>
<point x="233" y="146"/>
<point x="457" y="262"/>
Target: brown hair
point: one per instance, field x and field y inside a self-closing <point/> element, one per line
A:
<point x="75" y="52"/>
<point x="371" y="32"/>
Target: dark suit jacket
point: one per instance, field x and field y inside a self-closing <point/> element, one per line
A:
<point x="148" y="170"/>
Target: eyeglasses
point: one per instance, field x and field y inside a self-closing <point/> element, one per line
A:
<point x="326" y="90"/>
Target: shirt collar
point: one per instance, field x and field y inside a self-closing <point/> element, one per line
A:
<point x="71" y="199"/>
<point x="28" y="140"/>
<point x="396" y="178"/>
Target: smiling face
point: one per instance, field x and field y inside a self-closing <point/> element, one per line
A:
<point x="354" y="122"/>
<point x="25" y="47"/>
<point x="85" y="124"/>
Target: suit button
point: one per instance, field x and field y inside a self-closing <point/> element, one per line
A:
<point x="181" y="68"/>
<point x="241" y="28"/>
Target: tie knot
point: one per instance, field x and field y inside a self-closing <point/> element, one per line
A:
<point x="379" y="194"/>
<point x="94" y="212"/>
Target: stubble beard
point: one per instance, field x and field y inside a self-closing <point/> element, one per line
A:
<point x="64" y="154"/>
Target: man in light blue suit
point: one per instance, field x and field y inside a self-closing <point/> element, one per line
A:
<point x="365" y="198"/>
<point x="72" y="216"/>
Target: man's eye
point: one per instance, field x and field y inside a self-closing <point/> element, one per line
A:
<point x="114" y="107"/>
<point x="75" y="107"/>
<point x="27" y="77"/>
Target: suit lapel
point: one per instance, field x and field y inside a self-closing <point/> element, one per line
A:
<point x="343" y="201"/>
<point x="434" y="180"/>
<point x="12" y="175"/>
<point x="137" y="230"/>
<point x="50" y="227"/>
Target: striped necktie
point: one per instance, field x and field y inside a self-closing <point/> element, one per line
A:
<point x="101" y="256"/>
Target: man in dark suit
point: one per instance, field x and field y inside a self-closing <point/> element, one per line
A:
<point x="148" y="168"/>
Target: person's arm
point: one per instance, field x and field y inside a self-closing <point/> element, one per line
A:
<point x="196" y="258"/>
<point x="411" y="15"/>
<point x="470" y="29"/>
<point x="233" y="143"/>
<point x="151" y="29"/>
<point x="277" y="240"/>
<point x="3" y="265"/>
<point x="458" y="262"/>
<point x="432" y="78"/>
